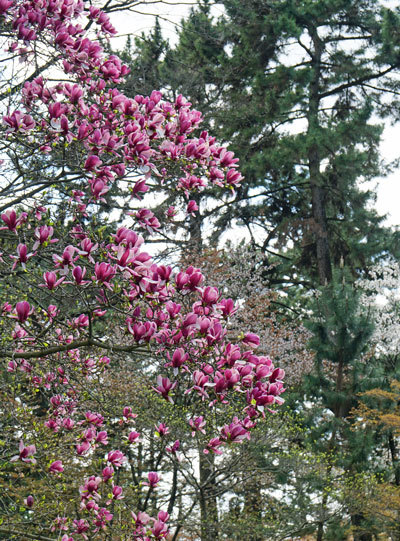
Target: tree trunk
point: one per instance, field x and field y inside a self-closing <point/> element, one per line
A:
<point x="314" y="163"/>
<point x="320" y="531"/>
<point x="395" y="458"/>
<point x="195" y="242"/>
<point x="252" y="509"/>
<point x="208" y="498"/>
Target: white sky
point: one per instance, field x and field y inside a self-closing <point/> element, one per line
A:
<point x="171" y="13"/>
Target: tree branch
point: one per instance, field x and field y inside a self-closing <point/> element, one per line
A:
<point x="355" y="82"/>
<point x="68" y="347"/>
<point x="21" y="535"/>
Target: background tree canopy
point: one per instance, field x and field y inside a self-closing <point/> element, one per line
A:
<point x="137" y="391"/>
<point x="295" y="87"/>
<point x="301" y="91"/>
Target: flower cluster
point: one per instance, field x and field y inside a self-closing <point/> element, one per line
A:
<point x="78" y="296"/>
<point x="116" y="136"/>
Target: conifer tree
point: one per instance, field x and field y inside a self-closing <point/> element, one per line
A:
<point x="293" y="87"/>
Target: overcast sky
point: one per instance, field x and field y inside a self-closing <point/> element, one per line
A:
<point x="170" y="15"/>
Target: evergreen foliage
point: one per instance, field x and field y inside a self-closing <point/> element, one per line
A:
<point x="293" y="87"/>
<point x="300" y="90"/>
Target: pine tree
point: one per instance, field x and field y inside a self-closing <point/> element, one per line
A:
<point x="293" y="87"/>
<point x="145" y="56"/>
<point x="342" y="330"/>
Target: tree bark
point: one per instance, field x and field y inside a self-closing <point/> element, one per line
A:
<point x="318" y="195"/>
<point x="195" y="242"/>
<point x="395" y="458"/>
<point x="253" y="507"/>
<point x="208" y="498"/>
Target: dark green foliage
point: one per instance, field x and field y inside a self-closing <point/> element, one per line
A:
<point x="291" y="87"/>
<point x="296" y="89"/>
<point x="144" y="58"/>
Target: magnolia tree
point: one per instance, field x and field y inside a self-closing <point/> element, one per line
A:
<point x="76" y="298"/>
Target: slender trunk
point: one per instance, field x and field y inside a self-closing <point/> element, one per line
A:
<point x="342" y="413"/>
<point x="208" y="498"/>
<point x="395" y="458"/>
<point x="324" y="502"/>
<point x="195" y="242"/>
<point x="314" y="162"/>
<point x="341" y="406"/>
<point x="338" y="412"/>
<point x="253" y="507"/>
<point x="396" y="468"/>
<point x="320" y="530"/>
<point x="174" y="488"/>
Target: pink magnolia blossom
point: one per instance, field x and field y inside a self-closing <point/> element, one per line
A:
<point x="94" y="418"/>
<point x="88" y="248"/>
<point x="79" y="273"/>
<point x="56" y="467"/>
<point x="81" y="526"/>
<point x="104" y="272"/>
<point x="116" y="458"/>
<point x="162" y="430"/>
<point x="197" y="424"/>
<point x="139" y="188"/>
<point x="89" y="490"/>
<point x="22" y="256"/>
<point x="102" y="518"/>
<point x="213" y="446"/>
<point x="23" y="310"/>
<point x="107" y="473"/>
<point x="9" y="217"/>
<point x="251" y="340"/>
<point x="29" y="501"/>
<point x="159" y="529"/>
<point x="210" y="295"/>
<point x="50" y="280"/>
<point x="68" y="423"/>
<point x="192" y="208"/>
<point x="127" y="414"/>
<point x="83" y="448"/>
<point x="133" y="436"/>
<point x="5" y="5"/>
<point x="164" y="387"/>
<point x="117" y="493"/>
<point x="66" y="260"/>
<point x="52" y="311"/>
<point x="235" y="432"/>
<point x="44" y="235"/>
<point x="227" y="307"/>
<point x="141" y="519"/>
<point x="173" y="449"/>
<point x="25" y="453"/>
<point x="171" y="212"/>
<point x="179" y="358"/>
<point x="102" y="437"/>
<point x="147" y="220"/>
<point x="18" y="121"/>
<point x="153" y="479"/>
